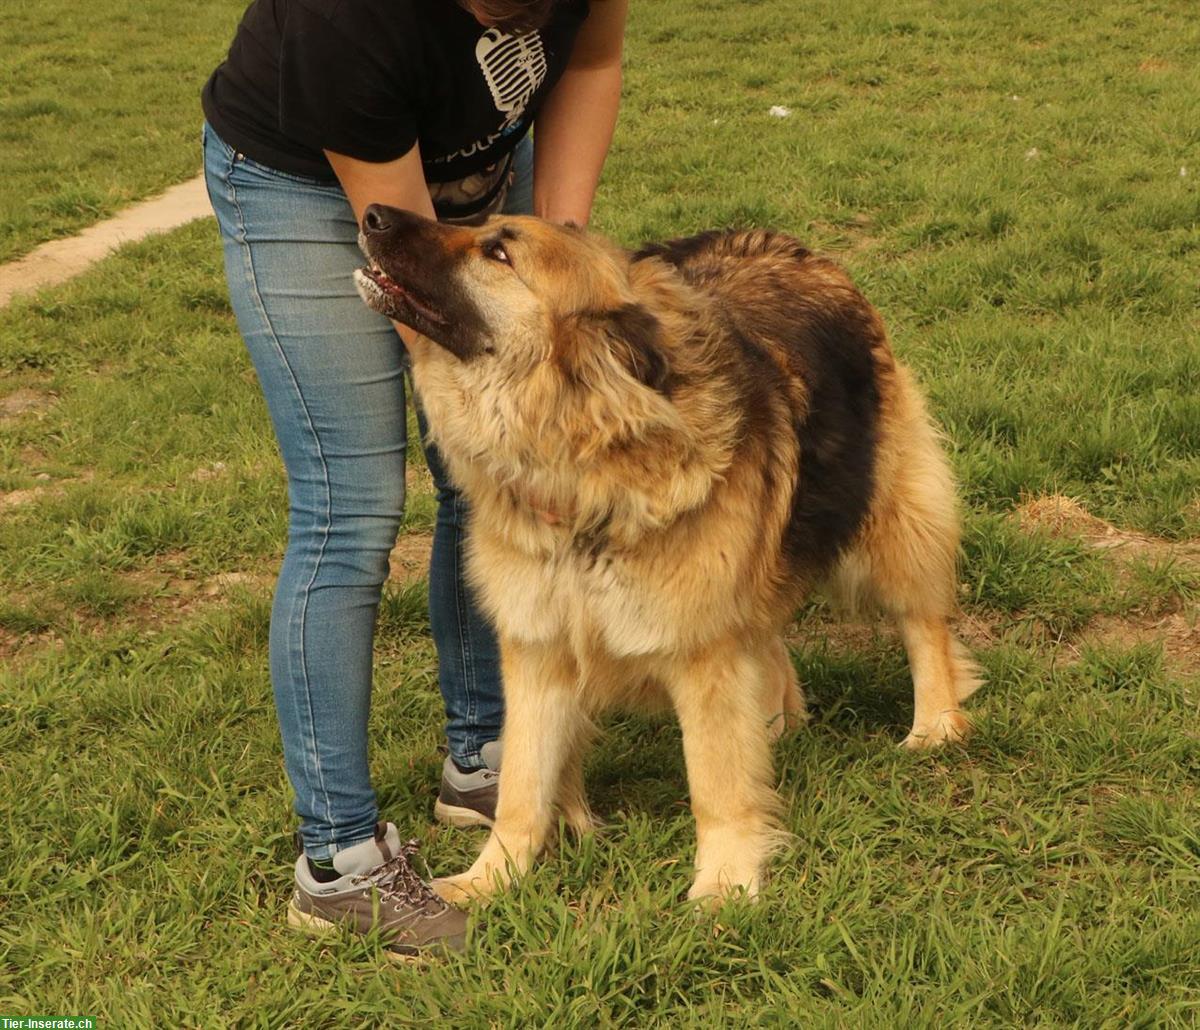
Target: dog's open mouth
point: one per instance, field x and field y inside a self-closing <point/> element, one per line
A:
<point x="388" y="297"/>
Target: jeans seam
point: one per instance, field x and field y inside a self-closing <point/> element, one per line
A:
<point x="312" y="752"/>
<point x="460" y="601"/>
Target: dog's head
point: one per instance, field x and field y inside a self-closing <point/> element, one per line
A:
<point x="553" y="365"/>
<point x="512" y="295"/>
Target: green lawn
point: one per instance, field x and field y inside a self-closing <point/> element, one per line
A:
<point x="1005" y="182"/>
<point x="99" y="106"/>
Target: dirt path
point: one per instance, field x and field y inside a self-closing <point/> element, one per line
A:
<point x="60" y="260"/>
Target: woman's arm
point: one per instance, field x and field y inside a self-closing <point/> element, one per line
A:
<point x="399" y="183"/>
<point x="575" y="125"/>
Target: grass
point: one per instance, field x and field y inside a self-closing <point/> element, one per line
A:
<point x="1045" y="874"/>
<point x="99" y="109"/>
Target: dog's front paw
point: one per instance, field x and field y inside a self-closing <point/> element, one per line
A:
<point x="710" y="892"/>
<point x="949" y="727"/>
<point x="469" y="887"/>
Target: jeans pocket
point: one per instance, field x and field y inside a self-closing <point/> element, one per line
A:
<point x="256" y="169"/>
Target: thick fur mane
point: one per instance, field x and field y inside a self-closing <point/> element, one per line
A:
<point x="799" y="330"/>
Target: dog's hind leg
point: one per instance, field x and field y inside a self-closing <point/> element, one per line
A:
<point x="571" y="800"/>
<point x="913" y="582"/>
<point x="543" y="722"/>
<point x="726" y="746"/>
<point x="942" y="676"/>
<point x="906" y="562"/>
<point x="785" y="708"/>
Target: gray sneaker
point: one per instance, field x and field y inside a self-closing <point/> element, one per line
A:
<point x="469" y="799"/>
<point x="377" y="888"/>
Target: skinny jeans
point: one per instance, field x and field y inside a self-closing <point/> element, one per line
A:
<point x="333" y="375"/>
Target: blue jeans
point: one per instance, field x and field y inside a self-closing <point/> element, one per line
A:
<point x="332" y="372"/>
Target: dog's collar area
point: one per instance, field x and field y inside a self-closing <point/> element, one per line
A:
<point x="542" y="508"/>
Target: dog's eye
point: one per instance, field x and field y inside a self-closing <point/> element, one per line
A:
<point x="494" y="251"/>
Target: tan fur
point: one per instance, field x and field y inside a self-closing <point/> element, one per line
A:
<point x="628" y="541"/>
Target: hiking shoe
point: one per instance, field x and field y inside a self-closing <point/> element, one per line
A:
<point x="373" y="885"/>
<point x="469" y="798"/>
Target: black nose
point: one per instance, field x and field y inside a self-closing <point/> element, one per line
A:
<point x="376" y="220"/>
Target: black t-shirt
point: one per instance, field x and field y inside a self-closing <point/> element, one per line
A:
<point x="369" y="78"/>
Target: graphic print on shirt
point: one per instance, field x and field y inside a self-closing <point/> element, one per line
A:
<point x="513" y="67"/>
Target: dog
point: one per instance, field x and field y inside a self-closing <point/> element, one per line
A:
<point x="664" y="452"/>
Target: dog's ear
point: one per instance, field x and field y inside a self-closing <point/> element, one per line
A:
<point x="636" y="338"/>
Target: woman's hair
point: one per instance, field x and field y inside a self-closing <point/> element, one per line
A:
<point x="512" y="15"/>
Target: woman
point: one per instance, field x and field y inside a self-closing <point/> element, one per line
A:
<point x="321" y="108"/>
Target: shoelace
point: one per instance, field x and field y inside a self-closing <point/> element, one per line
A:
<point x="397" y="875"/>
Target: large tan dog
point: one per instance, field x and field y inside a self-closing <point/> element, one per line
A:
<point x="664" y="452"/>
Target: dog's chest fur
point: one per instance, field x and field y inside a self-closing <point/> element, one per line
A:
<point x="596" y="598"/>
<point x="658" y="598"/>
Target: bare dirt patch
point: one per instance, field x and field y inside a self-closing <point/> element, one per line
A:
<point x="1064" y="516"/>
<point x="31" y="456"/>
<point x="1178" y="633"/>
<point x="19" y="498"/>
<point x="823" y="627"/>
<point x="420" y="480"/>
<point x="1177" y="629"/>
<point x="207" y="473"/>
<point x="51" y="490"/>
<point x="409" y="559"/>
<point x="13" y="644"/>
<point x="24" y="401"/>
